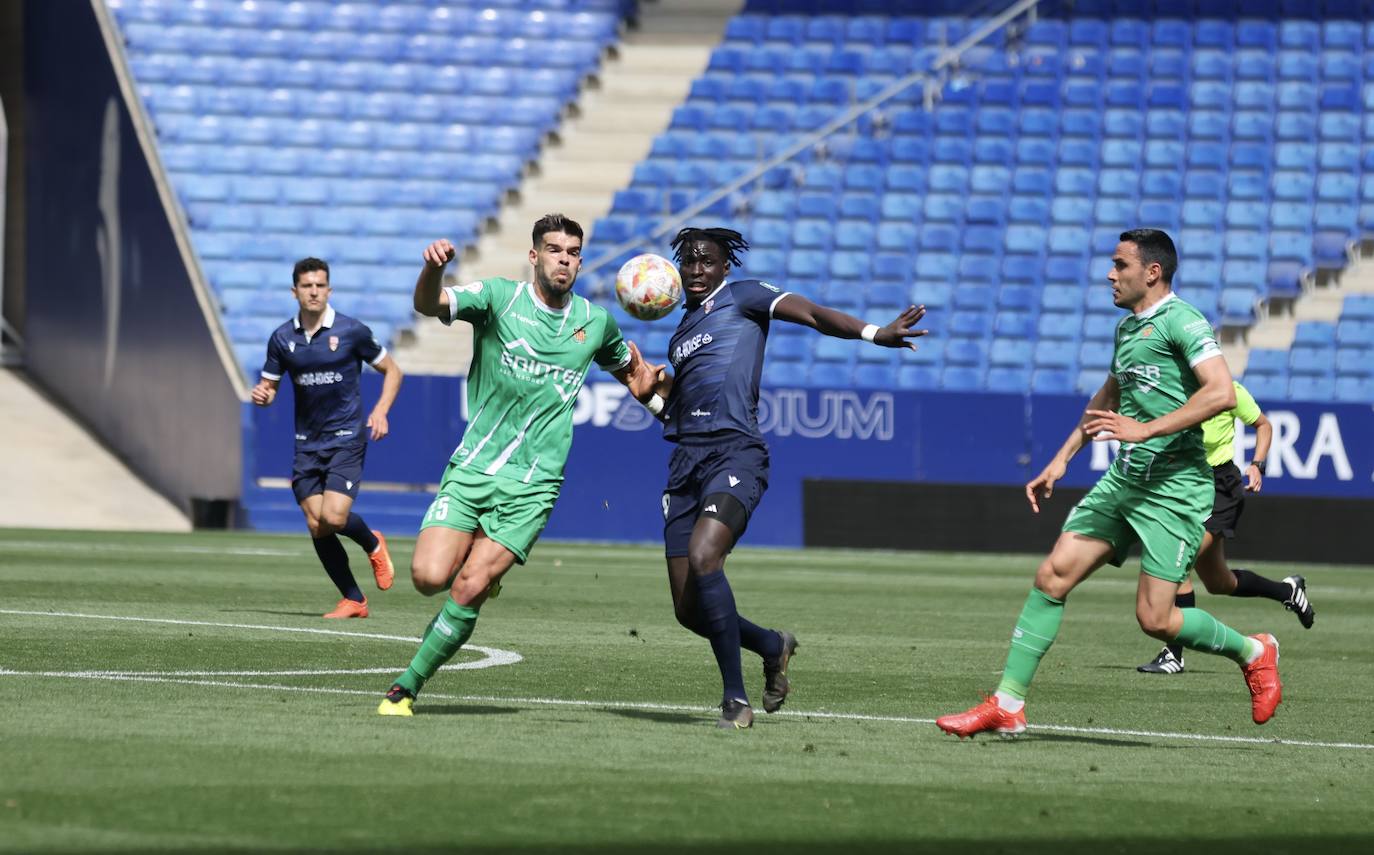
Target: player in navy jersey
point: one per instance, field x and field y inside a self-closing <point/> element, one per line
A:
<point x="323" y="351"/>
<point x="719" y="470"/>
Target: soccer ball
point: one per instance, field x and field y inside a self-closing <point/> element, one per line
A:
<point x="648" y="286"/>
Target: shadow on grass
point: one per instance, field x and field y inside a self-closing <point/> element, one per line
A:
<point x="1088" y="740"/>
<point x="661" y="717"/>
<point x="1191" y="669"/>
<point x="465" y="709"/>
<point x="270" y="612"/>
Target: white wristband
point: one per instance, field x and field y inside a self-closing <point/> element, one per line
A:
<point x="655" y="404"/>
<point x="869" y="332"/>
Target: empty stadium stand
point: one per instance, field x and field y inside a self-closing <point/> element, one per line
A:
<point x="1242" y="128"/>
<point x="349" y="131"/>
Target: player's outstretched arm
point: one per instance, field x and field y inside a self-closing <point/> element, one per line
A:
<point x="1107" y="397"/>
<point x="1264" y="435"/>
<point x="391" y="386"/>
<point x="430" y="299"/>
<point x="1216" y="394"/>
<point x="832" y="322"/>
<point x="265" y="392"/>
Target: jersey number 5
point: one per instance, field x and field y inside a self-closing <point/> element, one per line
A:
<point x="438" y="510"/>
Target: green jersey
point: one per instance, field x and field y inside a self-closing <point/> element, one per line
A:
<point x="1219" y="432"/>
<point x="528" y="363"/>
<point x="1153" y="363"/>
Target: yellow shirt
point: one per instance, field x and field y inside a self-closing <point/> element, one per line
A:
<point x="1219" y="432"/>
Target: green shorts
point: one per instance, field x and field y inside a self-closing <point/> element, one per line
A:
<point x="511" y="513"/>
<point x="1164" y="515"/>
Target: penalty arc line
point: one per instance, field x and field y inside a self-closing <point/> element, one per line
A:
<point x="639" y="705"/>
<point x="493" y="656"/>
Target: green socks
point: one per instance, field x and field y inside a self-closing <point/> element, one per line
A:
<point x="1203" y="632"/>
<point x="449" y="630"/>
<point x="1035" y="631"/>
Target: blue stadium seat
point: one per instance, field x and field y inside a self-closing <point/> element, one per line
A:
<point x="1338" y="187"/>
<point x="1238" y="306"/>
<point x="1355" y="362"/>
<point x="892" y="267"/>
<point x="1119" y="182"/>
<point x="935" y="267"/>
<point x="1316" y="334"/>
<point x="783" y="372"/>
<point x="1358" y="307"/>
<point x="918" y="377"/>
<point x="1315" y="361"/>
<point x="1007" y="378"/>
<point x="1331" y="249"/>
<point x="830" y="374"/>
<point x="961" y="378"/>
<point x="1054" y="381"/>
<point x="1055" y="354"/>
<point x="1010" y="352"/>
<point x="1354" y="389"/>
<point x="897" y="236"/>
<point x="850" y="265"/>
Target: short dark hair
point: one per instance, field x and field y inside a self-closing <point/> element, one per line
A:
<point x="308" y="265"/>
<point x="554" y="223"/>
<point x="731" y="242"/>
<point x="1155" y="247"/>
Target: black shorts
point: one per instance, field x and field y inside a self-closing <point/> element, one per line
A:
<point x="1229" y="501"/>
<point x="338" y="470"/>
<point x="734" y="465"/>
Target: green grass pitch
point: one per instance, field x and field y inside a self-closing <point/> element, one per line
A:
<point x="210" y="726"/>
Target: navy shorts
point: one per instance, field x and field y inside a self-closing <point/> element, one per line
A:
<point x="738" y="466"/>
<point x="338" y="470"/>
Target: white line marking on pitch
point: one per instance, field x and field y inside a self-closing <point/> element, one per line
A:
<point x="638" y="705"/>
<point x="492" y="656"/>
<point x="176" y="549"/>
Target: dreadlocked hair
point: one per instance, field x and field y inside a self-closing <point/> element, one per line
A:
<point x="730" y="242"/>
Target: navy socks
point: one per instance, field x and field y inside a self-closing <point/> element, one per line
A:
<point x="752" y="637"/>
<point x="357" y="531"/>
<point x="335" y="561"/>
<point x="716" y="603"/>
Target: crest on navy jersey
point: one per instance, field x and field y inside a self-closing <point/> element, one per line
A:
<point x="710" y="304"/>
<point x="333" y="342"/>
<point x="291" y="346"/>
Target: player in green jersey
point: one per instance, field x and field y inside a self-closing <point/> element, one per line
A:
<point x="1218" y="436"/>
<point x="1167" y="377"/>
<point x="533" y="344"/>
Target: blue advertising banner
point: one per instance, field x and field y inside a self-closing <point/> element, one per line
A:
<point x="618" y="464"/>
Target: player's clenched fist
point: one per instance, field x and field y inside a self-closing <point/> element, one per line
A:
<point x="263" y="393"/>
<point x="440" y="252"/>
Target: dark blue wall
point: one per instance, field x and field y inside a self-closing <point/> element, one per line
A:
<point x="616" y="471"/>
<point x="113" y="327"/>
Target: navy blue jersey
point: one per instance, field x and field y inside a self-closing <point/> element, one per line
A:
<point x="717" y="357"/>
<point x="324" y="368"/>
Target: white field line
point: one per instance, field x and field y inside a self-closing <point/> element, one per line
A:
<point x="683" y="708"/>
<point x="184" y="678"/>
<point x="491" y="656"/>
<point x="175" y="549"/>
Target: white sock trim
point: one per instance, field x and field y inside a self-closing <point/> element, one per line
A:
<point x="1008" y="703"/>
